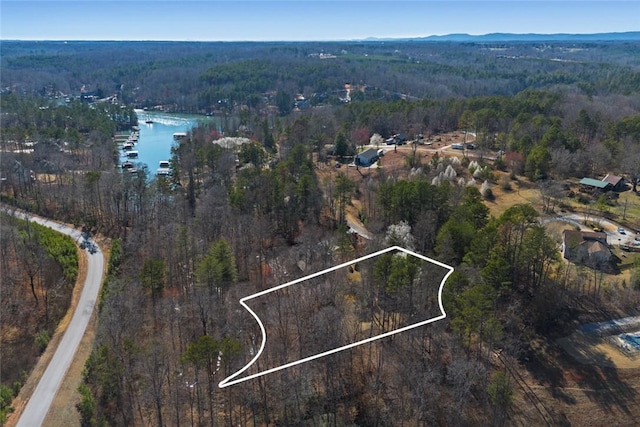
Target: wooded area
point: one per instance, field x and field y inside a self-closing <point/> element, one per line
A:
<point x="231" y="222"/>
<point x="39" y="269"/>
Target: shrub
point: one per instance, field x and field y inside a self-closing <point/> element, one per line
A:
<point x="500" y="164"/>
<point x="486" y="191"/>
<point x="87" y="406"/>
<point x="505" y="183"/>
<point x="583" y="199"/>
<point x="6" y="395"/>
<point x="450" y="173"/>
<point x="42" y="340"/>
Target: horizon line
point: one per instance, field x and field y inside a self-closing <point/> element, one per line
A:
<point x="358" y="39"/>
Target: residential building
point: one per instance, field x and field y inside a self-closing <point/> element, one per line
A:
<point x="585" y="247"/>
<point x="367" y="157"/>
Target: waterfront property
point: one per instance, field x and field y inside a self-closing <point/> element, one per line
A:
<point x="164" y="168"/>
<point x="154" y="142"/>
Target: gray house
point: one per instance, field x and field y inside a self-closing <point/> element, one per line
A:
<point x="367" y="157"/>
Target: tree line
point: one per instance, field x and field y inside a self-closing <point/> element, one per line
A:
<point x="39" y="269"/>
<point x="228" y="77"/>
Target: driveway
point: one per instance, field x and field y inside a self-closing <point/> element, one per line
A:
<point x="609" y="227"/>
<point x="358" y="227"/>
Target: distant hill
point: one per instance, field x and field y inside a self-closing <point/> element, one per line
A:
<point x="531" y="37"/>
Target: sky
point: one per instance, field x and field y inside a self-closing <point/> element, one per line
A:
<point x="305" y="20"/>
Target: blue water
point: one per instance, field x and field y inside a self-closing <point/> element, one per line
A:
<point x="156" y="139"/>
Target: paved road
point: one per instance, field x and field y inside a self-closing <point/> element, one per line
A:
<point x="39" y="403"/>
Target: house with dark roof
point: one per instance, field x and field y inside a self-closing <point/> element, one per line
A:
<point x="367" y="157"/>
<point x="617" y="182"/>
<point x="585" y="247"/>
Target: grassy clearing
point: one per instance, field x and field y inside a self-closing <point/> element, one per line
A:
<point x="521" y="192"/>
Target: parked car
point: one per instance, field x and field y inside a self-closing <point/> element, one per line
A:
<point x="621" y="230"/>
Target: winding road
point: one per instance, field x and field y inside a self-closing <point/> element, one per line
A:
<point x="38" y="406"/>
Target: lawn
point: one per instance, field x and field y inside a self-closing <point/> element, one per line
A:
<point x="522" y="192"/>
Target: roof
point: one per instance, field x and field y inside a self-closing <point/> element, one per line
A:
<point x="612" y="179"/>
<point x="575" y="237"/>
<point x="594" y="183"/>
<point x="596" y="247"/>
<point x="594" y="235"/>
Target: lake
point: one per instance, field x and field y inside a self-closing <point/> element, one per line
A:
<point x="156" y="138"/>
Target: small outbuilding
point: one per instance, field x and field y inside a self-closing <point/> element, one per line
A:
<point x="617" y="182"/>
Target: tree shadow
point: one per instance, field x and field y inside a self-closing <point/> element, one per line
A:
<point x="544" y="367"/>
<point x="591" y="369"/>
<point x="599" y="378"/>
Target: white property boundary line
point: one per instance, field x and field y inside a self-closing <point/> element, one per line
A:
<point x="231" y="379"/>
